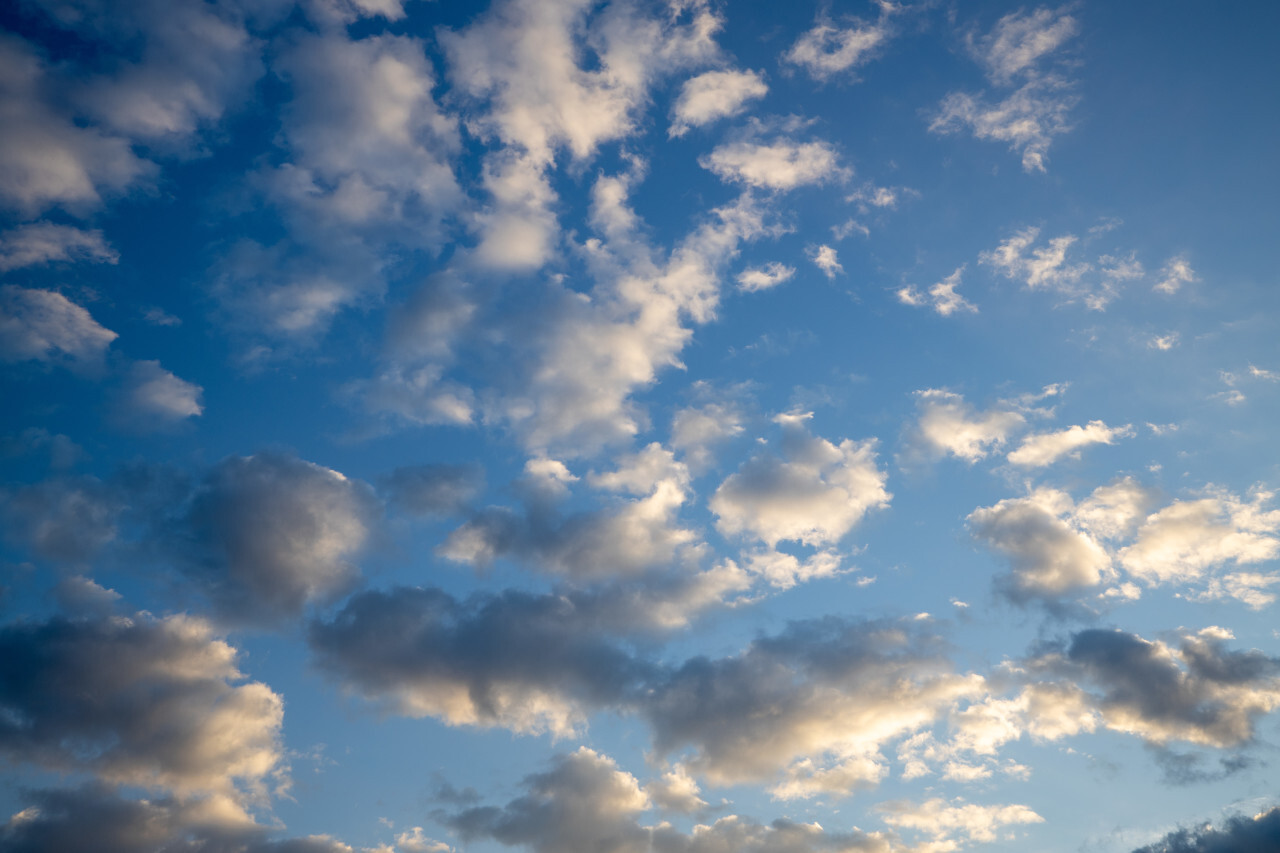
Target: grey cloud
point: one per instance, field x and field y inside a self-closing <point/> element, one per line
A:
<point x="43" y="325"/>
<point x="153" y="398"/>
<point x="46" y="242"/>
<point x="138" y="701"/>
<point x="1259" y="834"/>
<point x="433" y="489"/>
<point x="265" y="535"/>
<point x="66" y="520"/>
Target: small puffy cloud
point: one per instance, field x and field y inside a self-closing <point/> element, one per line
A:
<point x="1027" y="119"/>
<point x="43" y="325"/>
<point x="824" y="258"/>
<point x="1191" y="688"/>
<point x="1237" y="834"/>
<point x="676" y="791"/>
<point x="784" y="571"/>
<point x="153" y="398"/>
<point x="942" y="297"/>
<point x="1164" y="343"/>
<point x="815" y="492"/>
<point x="783" y="164"/>
<point x="265" y="535"/>
<point x="523" y="662"/>
<point x="1186" y="539"/>
<point x="46" y="243"/>
<point x="949" y="425"/>
<point x="432" y="489"/>
<point x="160" y="700"/>
<point x="763" y="278"/>
<point x="826" y="49"/>
<point x="1037" y="451"/>
<point x="951" y="825"/>
<point x="1041" y="267"/>
<point x="714" y="95"/>
<point x="1174" y="274"/>
<point x="695" y="430"/>
<point x="1020" y="39"/>
<point x="1050" y="555"/>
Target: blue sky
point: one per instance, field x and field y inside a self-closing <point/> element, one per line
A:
<point x="681" y="426"/>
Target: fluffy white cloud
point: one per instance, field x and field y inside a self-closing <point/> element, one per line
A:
<point x="43" y="325"/>
<point x="47" y="242"/>
<point x="763" y="278"/>
<point x="826" y="49"/>
<point x="814" y="493"/>
<point x="942" y="297"/>
<point x="1174" y="274"/>
<point x="947" y="424"/>
<point x="1050" y="555"/>
<point x="824" y="258"/>
<point x="951" y="825"/>
<point x="1037" y="451"/>
<point x="783" y="164"/>
<point x="1020" y="39"/>
<point x="696" y="429"/>
<point x="155" y="398"/>
<point x="714" y="95"/>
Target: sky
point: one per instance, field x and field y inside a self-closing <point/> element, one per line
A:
<point x="686" y="426"/>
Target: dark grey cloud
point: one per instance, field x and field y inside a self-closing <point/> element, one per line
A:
<point x="64" y="519"/>
<point x="136" y="700"/>
<point x="432" y="489"/>
<point x="1259" y="834"/>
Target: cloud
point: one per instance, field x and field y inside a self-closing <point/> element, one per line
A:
<point x="952" y="825"/>
<point x="265" y="535"/>
<point x="1036" y="111"/>
<point x="43" y="325"/>
<point x="1190" y="688"/>
<point x="46" y="158"/>
<point x="1037" y="451"/>
<point x="143" y="701"/>
<point x="520" y="661"/>
<point x="949" y="425"/>
<point x="153" y="398"/>
<point x="826" y="50"/>
<point x="433" y="489"/>
<point x="1050" y="555"/>
<point x="1019" y="40"/>
<point x="1174" y="274"/>
<point x="770" y="275"/>
<point x="714" y="95"/>
<point x="824" y="258"/>
<point x="695" y="430"/>
<point x="942" y="297"/>
<point x="1258" y="833"/>
<point x="585" y="803"/>
<point x="66" y="520"/>
<point x="676" y="791"/>
<point x="814" y="493"/>
<point x="816" y="702"/>
<point x="46" y="242"/>
<point x="781" y="165"/>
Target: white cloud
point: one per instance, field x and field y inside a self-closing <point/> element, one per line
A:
<point x="1037" y="451"/>
<point x="1019" y="40"/>
<point x="942" y="297"/>
<point x="1163" y="343"/>
<point x="154" y="397"/>
<point x="1050" y="555"/>
<point x="814" y="493"/>
<point x="1174" y="274"/>
<point x="714" y="95"/>
<point x="42" y="325"/>
<point x="695" y="430"/>
<point x="947" y="424"/>
<point x="676" y="791"/>
<point x="783" y="571"/>
<point x="826" y="50"/>
<point x="824" y="258"/>
<point x="951" y="825"/>
<point x="782" y="165"/>
<point x="762" y="278"/>
<point x="47" y="242"/>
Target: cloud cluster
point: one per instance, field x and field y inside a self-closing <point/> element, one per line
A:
<point x="941" y="297"/>
<point x="714" y="95"/>
<point x="826" y="49"/>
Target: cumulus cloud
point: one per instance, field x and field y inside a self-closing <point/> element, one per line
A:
<point x="265" y="535"/>
<point x="695" y="430"/>
<point x="153" y="398"/>
<point x="63" y="519"/>
<point x="949" y="425"/>
<point x="1037" y="110"/>
<point x="714" y="95"/>
<point x="950" y="825"/>
<point x="824" y="258"/>
<point x="783" y="164"/>
<point x="1174" y="274"/>
<point x="1037" y="451"/>
<point x="763" y="278"/>
<point x="156" y="703"/>
<point x="827" y="49"/>
<point x="942" y="297"/>
<point x="433" y="489"/>
<point x="1050" y="555"/>
<point x="46" y="243"/>
<point x="815" y="492"/>
<point x="43" y="325"/>
<point x="1239" y="833"/>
